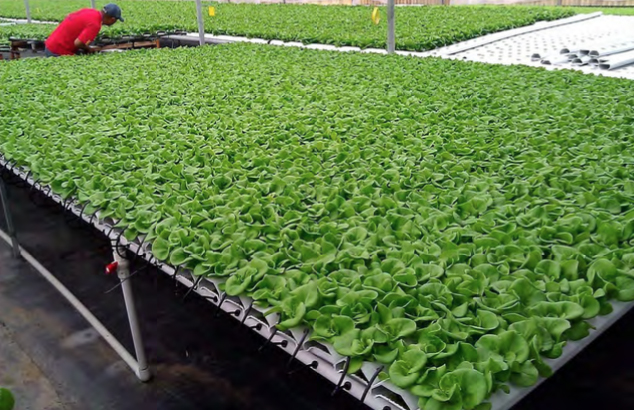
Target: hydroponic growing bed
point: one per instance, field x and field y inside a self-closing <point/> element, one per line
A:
<point x="30" y="31"/>
<point x="418" y="28"/>
<point x="436" y="218"/>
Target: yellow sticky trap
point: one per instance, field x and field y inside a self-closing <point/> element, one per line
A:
<point x="376" y="16"/>
<point x="212" y="11"/>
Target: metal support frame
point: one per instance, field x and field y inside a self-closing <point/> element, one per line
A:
<point x="27" y="6"/>
<point x="4" y="202"/>
<point x="201" y="24"/>
<point x="139" y="365"/>
<point x="123" y="272"/>
<point x="391" y="39"/>
<point x="92" y="4"/>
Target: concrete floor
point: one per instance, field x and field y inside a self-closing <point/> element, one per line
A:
<point x="47" y="352"/>
<point x="53" y="360"/>
<point x="32" y="388"/>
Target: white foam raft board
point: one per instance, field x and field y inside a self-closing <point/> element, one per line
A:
<point x="549" y="42"/>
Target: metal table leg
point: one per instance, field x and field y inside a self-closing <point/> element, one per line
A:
<point x="123" y="271"/>
<point x="7" y="216"/>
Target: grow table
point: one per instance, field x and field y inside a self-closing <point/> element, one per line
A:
<point x="303" y="353"/>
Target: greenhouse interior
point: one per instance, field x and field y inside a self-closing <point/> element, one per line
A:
<point x="316" y="204"/>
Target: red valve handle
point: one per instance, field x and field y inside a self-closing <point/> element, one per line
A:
<point x="112" y="268"/>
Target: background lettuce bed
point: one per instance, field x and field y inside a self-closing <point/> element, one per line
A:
<point x="418" y="28"/>
<point x="455" y="221"/>
<point x="25" y="31"/>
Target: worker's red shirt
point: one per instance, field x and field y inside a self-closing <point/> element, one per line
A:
<point x="83" y="25"/>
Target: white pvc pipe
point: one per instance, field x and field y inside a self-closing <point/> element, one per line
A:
<point x="609" y="44"/>
<point x="618" y="61"/>
<point x="611" y="51"/>
<point x="569" y="50"/>
<point x="556" y="60"/>
<point x="90" y="318"/>
<point x="598" y="60"/>
<point x="572" y="56"/>
<point x="495" y="37"/>
<point x="201" y="24"/>
<point x="586" y="47"/>
<point x="123" y="271"/>
<point x="391" y="38"/>
<point x="4" y="202"/>
<point x="583" y="60"/>
<point x="92" y="4"/>
<point x="583" y="49"/>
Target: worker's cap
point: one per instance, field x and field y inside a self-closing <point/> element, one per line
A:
<point x="113" y="10"/>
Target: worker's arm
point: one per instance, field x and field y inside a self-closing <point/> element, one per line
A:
<point x="80" y="45"/>
<point x="87" y="36"/>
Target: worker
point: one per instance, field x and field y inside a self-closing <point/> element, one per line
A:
<point x="79" y="29"/>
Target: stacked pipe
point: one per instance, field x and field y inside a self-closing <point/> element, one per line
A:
<point x="606" y="55"/>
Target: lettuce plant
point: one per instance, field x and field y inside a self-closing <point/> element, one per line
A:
<point x="7" y="401"/>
